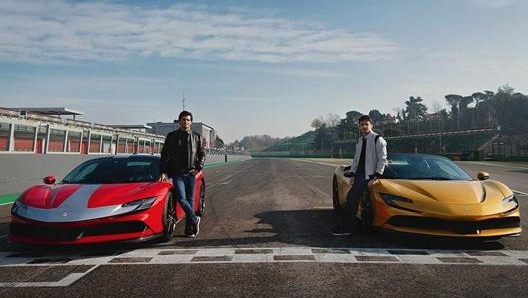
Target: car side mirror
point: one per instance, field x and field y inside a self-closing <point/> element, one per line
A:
<point x="49" y="179"/>
<point x="483" y="176"/>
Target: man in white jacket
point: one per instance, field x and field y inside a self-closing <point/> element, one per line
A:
<point x="367" y="166"/>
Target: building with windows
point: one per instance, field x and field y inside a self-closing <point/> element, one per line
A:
<point x="207" y="132"/>
<point x="48" y="131"/>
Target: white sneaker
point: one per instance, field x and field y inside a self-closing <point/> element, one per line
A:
<point x="197" y="226"/>
<point x="340" y="230"/>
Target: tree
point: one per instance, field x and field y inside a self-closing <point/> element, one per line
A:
<point x="352" y="117"/>
<point x="437" y="107"/>
<point x="326" y="131"/>
<point x="463" y="109"/>
<point x="510" y="111"/>
<point x="505" y="109"/>
<point x="317" y="123"/>
<point x="219" y="143"/>
<point x="347" y="128"/>
<point x="259" y="142"/>
<point x="416" y="110"/>
<point x="487" y="106"/>
<point x="376" y="116"/>
<point x="454" y="100"/>
<point x="324" y="139"/>
<point x="332" y="120"/>
<point x="506" y="89"/>
<point x="478" y="97"/>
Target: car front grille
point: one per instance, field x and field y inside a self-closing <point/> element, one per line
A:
<point x="60" y="233"/>
<point x="458" y="227"/>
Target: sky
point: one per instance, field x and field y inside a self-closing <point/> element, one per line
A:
<point x="253" y="67"/>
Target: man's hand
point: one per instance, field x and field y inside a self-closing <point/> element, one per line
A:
<point x="372" y="181"/>
<point x="162" y="178"/>
<point x="352" y="179"/>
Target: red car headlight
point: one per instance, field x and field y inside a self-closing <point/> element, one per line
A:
<point x="141" y="204"/>
<point x="18" y="208"/>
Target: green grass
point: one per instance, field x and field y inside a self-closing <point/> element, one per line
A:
<point x="7" y="199"/>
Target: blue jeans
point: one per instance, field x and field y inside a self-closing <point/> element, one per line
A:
<point x="183" y="190"/>
<point x="353" y="197"/>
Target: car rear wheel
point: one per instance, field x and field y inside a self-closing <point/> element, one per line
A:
<point x="201" y="204"/>
<point x="169" y="218"/>
<point x="335" y="195"/>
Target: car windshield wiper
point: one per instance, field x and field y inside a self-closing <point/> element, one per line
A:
<point x="112" y="181"/>
<point x="430" y="178"/>
<point x="439" y="178"/>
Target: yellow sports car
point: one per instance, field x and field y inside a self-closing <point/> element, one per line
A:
<point x="431" y="195"/>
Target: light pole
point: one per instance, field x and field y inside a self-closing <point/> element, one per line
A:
<point x="441" y="129"/>
<point x="490" y="130"/>
<point x="458" y="115"/>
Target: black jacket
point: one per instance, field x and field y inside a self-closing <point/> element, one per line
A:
<point x="173" y="153"/>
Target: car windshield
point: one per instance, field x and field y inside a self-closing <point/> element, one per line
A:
<point x="115" y="170"/>
<point x="423" y="167"/>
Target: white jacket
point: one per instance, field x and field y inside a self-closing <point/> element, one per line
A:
<point x="375" y="155"/>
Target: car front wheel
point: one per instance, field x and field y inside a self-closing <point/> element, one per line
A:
<point x="201" y="204"/>
<point x="169" y="218"/>
<point x="367" y="214"/>
<point x="335" y="195"/>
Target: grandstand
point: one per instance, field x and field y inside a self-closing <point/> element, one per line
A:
<point x="447" y="143"/>
<point x="467" y="144"/>
<point x="45" y="131"/>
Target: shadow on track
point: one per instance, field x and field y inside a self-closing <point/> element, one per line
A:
<point x="309" y="228"/>
<point x="312" y="228"/>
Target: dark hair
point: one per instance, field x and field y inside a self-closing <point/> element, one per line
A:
<point x="365" y="118"/>
<point x="185" y="113"/>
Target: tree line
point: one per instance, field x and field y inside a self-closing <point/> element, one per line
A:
<point x="503" y="111"/>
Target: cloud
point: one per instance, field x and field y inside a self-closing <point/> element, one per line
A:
<point x="59" y="31"/>
<point x="495" y="3"/>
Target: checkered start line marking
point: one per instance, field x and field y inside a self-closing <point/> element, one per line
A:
<point x="91" y="260"/>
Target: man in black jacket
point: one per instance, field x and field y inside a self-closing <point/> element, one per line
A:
<point x="182" y="156"/>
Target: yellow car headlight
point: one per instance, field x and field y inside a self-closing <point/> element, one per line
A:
<point x="510" y="203"/>
<point x="393" y="200"/>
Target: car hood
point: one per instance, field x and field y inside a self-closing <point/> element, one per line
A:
<point x="86" y="195"/>
<point x="63" y="203"/>
<point x="450" y="192"/>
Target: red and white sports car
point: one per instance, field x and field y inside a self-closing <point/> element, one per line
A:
<point x="105" y="199"/>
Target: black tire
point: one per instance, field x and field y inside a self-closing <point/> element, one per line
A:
<point x="367" y="214"/>
<point x="169" y="218"/>
<point x="335" y="195"/>
<point x="201" y="204"/>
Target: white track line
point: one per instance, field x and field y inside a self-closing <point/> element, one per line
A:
<point x="230" y="255"/>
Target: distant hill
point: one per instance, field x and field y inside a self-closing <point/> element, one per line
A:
<point x="301" y="143"/>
